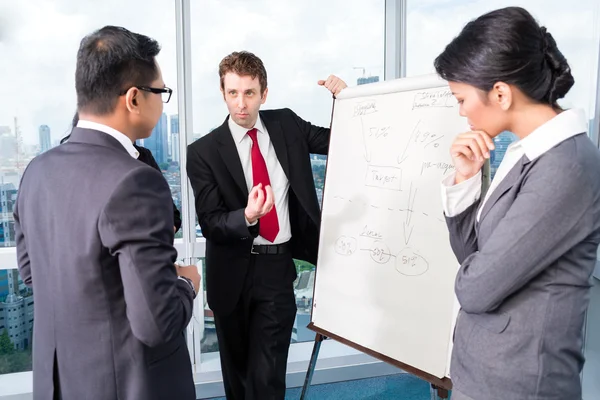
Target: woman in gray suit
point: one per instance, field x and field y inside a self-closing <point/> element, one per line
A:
<point x="528" y="246"/>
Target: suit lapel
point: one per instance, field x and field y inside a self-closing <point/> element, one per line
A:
<point x="230" y="156"/>
<point x="278" y="139"/>
<point x="508" y="182"/>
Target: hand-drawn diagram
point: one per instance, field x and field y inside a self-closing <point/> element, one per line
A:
<point x="345" y="245"/>
<point x="406" y="225"/>
<point x="384" y="177"/>
<point x="407" y="262"/>
<point x="410" y="263"/>
<point x="395" y="160"/>
<point x="379" y="252"/>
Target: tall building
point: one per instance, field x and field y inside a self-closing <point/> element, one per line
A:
<point x="45" y="140"/>
<point x="16" y="311"/>
<point x="175" y="123"/>
<point x="8" y="143"/>
<point x="158" y="141"/>
<point x="8" y="197"/>
<point x="3" y="286"/>
<point x="175" y="138"/>
<point x="368" y="79"/>
<point x="501" y="143"/>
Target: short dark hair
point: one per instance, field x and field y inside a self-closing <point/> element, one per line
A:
<point x="507" y="45"/>
<point x="110" y="60"/>
<point x="244" y="63"/>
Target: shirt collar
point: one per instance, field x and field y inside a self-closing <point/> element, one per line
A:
<point x="560" y="128"/>
<point x="121" y="137"/>
<point x="239" y="132"/>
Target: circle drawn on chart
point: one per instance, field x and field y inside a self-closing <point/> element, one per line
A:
<point x="409" y="263"/>
<point x="345" y="245"/>
<point x="380" y="252"/>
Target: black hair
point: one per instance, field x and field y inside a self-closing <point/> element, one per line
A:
<point x="110" y="61"/>
<point x="73" y="125"/>
<point x="507" y="45"/>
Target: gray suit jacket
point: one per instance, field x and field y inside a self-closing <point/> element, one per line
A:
<point x="94" y="231"/>
<point x="525" y="276"/>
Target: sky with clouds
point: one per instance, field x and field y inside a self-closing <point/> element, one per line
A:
<point x="299" y="42"/>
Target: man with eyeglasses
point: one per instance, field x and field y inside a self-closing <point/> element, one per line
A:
<point x="94" y="231"/>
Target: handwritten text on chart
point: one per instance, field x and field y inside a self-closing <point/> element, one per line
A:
<point x="442" y="166"/>
<point x="421" y="136"/>
<point x="377" y="133"/>
<point x="384" y="177"/>
<point x="368" y="232"/>
<point x="426" y="137"/>
<point x="380" y="253"/>
<point x="410" y="263"/>
<point x="439" y="98"/>
<point x="345" y="245"/>
<point x="365" y="107"/>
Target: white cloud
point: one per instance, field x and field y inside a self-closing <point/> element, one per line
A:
<point x="299" y="41"/>
<point x="38" y="50"/>
<point x="433" y="25"/>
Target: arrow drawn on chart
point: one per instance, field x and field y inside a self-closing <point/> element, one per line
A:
<point x="404" y="156"/>
<point x="407" y="235"/>
<point x="365" y="140"/>
<point x="406" y="225"/>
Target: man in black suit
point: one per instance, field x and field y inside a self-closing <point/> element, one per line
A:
<point x="94" y="232"/>
<point x="257" y="207"/>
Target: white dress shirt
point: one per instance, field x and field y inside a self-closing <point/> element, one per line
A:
<point x="457" y="198"/>
<point x="279" y="182"/>
<point x="121" y="137"/>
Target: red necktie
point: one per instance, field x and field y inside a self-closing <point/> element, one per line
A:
<point x="269" y="224"/>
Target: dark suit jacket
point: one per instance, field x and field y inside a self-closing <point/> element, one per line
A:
<point x="94" y="231"/>
<point x="217" y="178"/>
<point x="147" y="158"/>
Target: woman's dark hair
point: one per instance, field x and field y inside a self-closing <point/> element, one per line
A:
<point x="507" y="45"/>
<point x="73" y="125"/>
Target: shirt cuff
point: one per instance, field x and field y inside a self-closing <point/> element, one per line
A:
<point x="456" y="198"/>
<point x="248" y="223"/>
<point x="189" y="282"/>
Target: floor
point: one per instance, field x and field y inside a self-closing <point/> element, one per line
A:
<point x="403" y="386"/>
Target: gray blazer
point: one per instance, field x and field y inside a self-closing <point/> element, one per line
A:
<point x="524" y="279"/>
<point x="94" y="230"/>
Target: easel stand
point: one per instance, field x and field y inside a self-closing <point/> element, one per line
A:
<point x="311" y="365"/>
<point x="439" y="389"/>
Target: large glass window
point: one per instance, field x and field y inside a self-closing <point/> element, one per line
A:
<point x="432" y="24"/>
<point x="299" y="43"/>
<point x="38" y="45"/>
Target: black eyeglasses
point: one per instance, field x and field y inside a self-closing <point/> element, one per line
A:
<point x="165" y="92"/>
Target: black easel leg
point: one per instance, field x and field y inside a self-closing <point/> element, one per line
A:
<point x="311" y="365"/>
